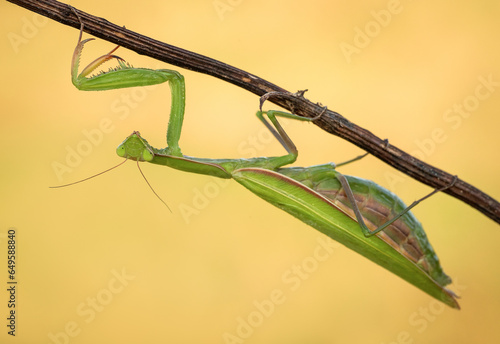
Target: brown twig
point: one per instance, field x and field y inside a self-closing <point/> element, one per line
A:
<point x="331" y="122"/>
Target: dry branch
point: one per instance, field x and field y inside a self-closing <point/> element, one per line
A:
<point x="331" y="121"/>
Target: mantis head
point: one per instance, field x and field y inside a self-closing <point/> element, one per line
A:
<point x="134" y="147"/>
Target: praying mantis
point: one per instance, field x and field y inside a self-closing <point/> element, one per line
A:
<point x="356" y="212"/>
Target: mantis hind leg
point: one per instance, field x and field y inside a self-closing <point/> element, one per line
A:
<point x="366" y="231"/>
<point x="386" y="143"/>
<point x="359" y="157"/>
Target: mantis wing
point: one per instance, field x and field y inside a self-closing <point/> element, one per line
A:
<point x="319" y="212"/>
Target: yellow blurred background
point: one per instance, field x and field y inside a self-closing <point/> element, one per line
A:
<point x="104" y="261"/>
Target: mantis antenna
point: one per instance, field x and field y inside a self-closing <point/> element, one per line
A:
<point x="109" y="169"/>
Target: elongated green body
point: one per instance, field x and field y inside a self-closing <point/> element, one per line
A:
<point x="315" y="196"/>
<point x="357" y="213"/>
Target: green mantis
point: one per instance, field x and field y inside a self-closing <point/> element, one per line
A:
<point x="355" y="212"/>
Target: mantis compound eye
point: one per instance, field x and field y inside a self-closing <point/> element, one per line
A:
<point x="147" y="155"/>
<point x="121" y="151"/>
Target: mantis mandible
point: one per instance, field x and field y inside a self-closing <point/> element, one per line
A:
<point x="356" y="212"/>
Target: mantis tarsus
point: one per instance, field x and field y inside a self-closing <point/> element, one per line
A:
<point x="355" y="212"/>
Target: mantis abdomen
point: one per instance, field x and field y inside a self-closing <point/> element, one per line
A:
<point x="315" y="196"/>
<point x="377" y="205"/>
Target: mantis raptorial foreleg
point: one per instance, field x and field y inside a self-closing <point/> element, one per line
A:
<point x="358" y="213"/>
<point x="127" y="76"/>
